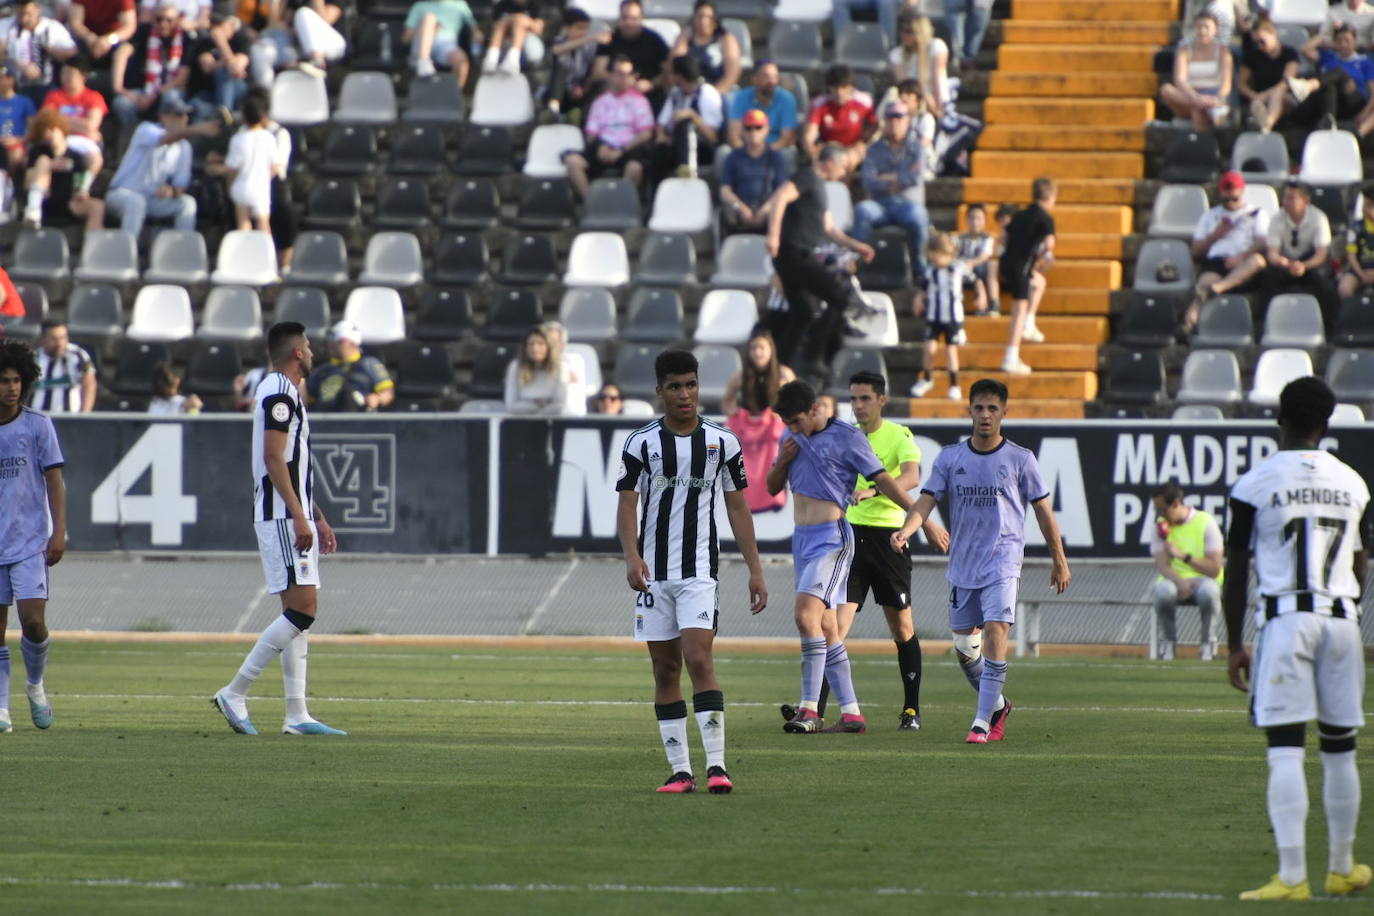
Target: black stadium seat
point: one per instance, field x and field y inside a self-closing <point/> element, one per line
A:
<point x="333" y="203"/>
<point x="654" y="315"/>
<point x="486" y="151"/>
<point x="489" y="371"/>
<point x="1136" y="377"/>
<point x="1192" y="159"/>
<point x="424" y="371"/>
<point x="134" y="373"/>
<point x="349" y="150"/>
<point x="529" y="260"/>
<point x="212" y="370"/>
<point x="308" y="305"/>
<point x="472" y="203"/>
<point x="402" y="203"/>
<point x="1355" y="325"/>
<point x="891" y="264"/>
<point x="444" y="315"/>
<point x="511" y="313"/>
<point x="460" y="259"/>
<point x="417" y="149"/>
<point x="1151" y="320"/>
<point x="547" y="205"/>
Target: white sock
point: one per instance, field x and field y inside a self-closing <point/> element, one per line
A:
<point x="980" y="723"/>
<point x="1341" y="798"/>
<point x="850" y="709"/>
<point x="293" y="679"/>
<point x="1287" y="798"/>
<point x="1013" y="354"/>
<point x="674" y="734"/>
<point x="492" y="59"/>
<point x="35" y="199"/>
<point x="711" y="722"/>
<point x="271" y="643"/>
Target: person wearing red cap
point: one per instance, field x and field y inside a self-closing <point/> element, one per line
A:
<point x="750" y="175"/>
<point x="1230" y="240"/>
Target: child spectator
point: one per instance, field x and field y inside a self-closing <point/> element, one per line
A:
<point x="252" y="163"/>
<point x="59" y="177"/>
<point x="941" y="302"/>
<point x="573" y="50"/>
<point x="439" y="33"/>
<point x="518" y="21"/>
<point x="976" y="250"/>
<point x="1359" y="247"/>
<point x="844" y="115"/>
<point x="167" y="397"/>
<point x="1027" y="253"/>
<point x="15" y="111"/>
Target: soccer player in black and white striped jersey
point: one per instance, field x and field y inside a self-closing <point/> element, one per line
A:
<point x="670" y="472"/>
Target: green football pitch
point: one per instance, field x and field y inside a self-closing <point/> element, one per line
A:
<point x="483" y="780"/>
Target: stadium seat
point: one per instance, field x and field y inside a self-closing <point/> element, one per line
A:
<point x="795" y="83"/>
<point x="667" y="29"/>
<point x="424" y="371"/>
<point x="583" y="361"/>
<point x="795" y="45"/>
<point x="1350" y="373"/>
<point x="402" y="203"/>
<point x="851" y="360"/>
<point x="1193" y="158"/>
<point x="743" y="261"/>
<point x="502" y="100"/>
<point x="366" y="98"/>
<point x="460" y="259"/>
<point x="417" y="149"/>
<point x="36" y="309"/>
<point x="1331" y="157"/>
<point x="350" y="150"/>
<point x="669" y="9"/>
<point x="745" y="10"/>
<point x="681" y="205"/>
<point x="726" y="317"/>
<point x="862" y="46"/>
<point x="890" y="268"/>
<point x="1310" y="14"/>
<point x="1149" y="321"/>
<point x="161" y="313"/>
<point x="1268" y="148"/>
<point x="377" y="44"/>
<point x="597" y="259"/>
<point x="813" y="11"/>
<point x="232" y="313"/>
<point x="108" y="256"/>
<point x="134" y="369"/>
<point x="486" y="151"/>
<point x="612" y="205"/>
<point x="667" y="259"/>
<point x="213" y="370"/>
<point x="320" y="259"/>
<point x="1293" y="320"/>
<point x="436" y="99"/>
<point x="716" y="364"/>
<point x="739" y="28"/>
<point x="247" y="258"/>
<point x="489" y="371"/>
<point x="378" y="313"/>
<point x="1198" y="413"/>
<point x="444" y="315"/>
<point x="1225" y="323"/>
<point x="1355" y="324"/>
<point x="1156" y="253"/>
<point x="511" y="313"/>
<point x="95" y="311"/>
<point x="528" y="260"/>
<point x="547" y="204"/>
<point x="1210" y="377"/>
<point x="1335" y="202"/>
<point x="634" y="370"/>
<point x="41" y="255"/>
<point x="1177" y="210"/>
<point x="333" y="203"/>
<point x="878" y="329"/>
<point x="1347" y="415"/>
<point x="178" y="256"/>
<point x="840" y="204"/>
<point x="654" y="315"/>
<point x="588" y="313"/>
<point x="548" y="143"/>
<point x="299" y="99"/>
<point x="393" y="259"/>
<point x="1135" y="377"/>
<point x="1263" y="197"/>
<point x="1275" y="369"/>
<point x="637" y="408"/>
<point x="308" y="305"/>
<point x="483" y="407"/>
<point x="472" y="203"/>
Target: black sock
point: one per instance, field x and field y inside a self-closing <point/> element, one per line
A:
<point x="825" y="695"/>
<point x="909" y="663"/>
<point x="298" y="620"/>
<point x="676" y="710"/>
<point x="953" y="378"/>
<point x="708" y="700"/>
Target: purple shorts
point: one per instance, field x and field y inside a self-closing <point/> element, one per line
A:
<point x="27" y="578"/>
<point x="973" y="607"/>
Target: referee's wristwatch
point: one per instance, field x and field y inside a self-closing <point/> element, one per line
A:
<point x="1188" y="558"/>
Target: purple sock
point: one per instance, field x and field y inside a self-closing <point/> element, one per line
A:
<point x="990" y="688"/>
<point x="4" y="677"/>
<point x="813" y="668"/>
<point x="973" y="671"/>
<point x="837" y="674"/>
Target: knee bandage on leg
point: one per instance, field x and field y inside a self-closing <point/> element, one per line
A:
<point x="969" y="645"/>
<point x="1334" y="739"/>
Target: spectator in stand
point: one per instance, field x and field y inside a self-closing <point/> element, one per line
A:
<point x="1230" y="240"/>
<point x="715" y="50"/>
<point x="644" y="48"/>
<point x="977" y="250"/>
<point x="766" y="95"/>
<point x="1355" y="13"/>
<point x="1345" y="88"/>
<point x="609" y="401"/>
<point x="1359" y="248"/>
<point x="536" y="380"/>
<point x="11" y="303"/>
<point x="1266" y="66"/>
<point x="693" y="108"/>
<point x="519" y="23"/>
<point x="312" y="27"/>
<point x="100" y="26"/>
<point x="844" y="115"/>
<point x="350" y="381"/>
<point x="940" y="301"/>
<point x="1027" y="256"/>
<point x="749" y="177"/>
<point x="59" y="178"/>
<point x="168" y="401"/>
<point x="573" y="50"/>
<point x="619" y="127"/>
<point x="923" y="125"/>
<point x="1187" y="548"/>
<point x="34" y="43"/>
<point x="574" y="367"/>
<point x="967" y="22"/>
<point x="155" y="172"/>
<point x="66" y="373"/>
<point x="15" y="112"/>
<point x="893" y="176"/>
<point x="156" y="62"/>
<point x="195" y="14"/>
<point x="840" y="15"/>
<point x="218" y="80"/>
<point x="85" y="111"/>
<point x="316" y="25"/>
<point x="283" y="213"/>
<point x="1228" y="13"/>
<point x="251" y="165"/>
<point x="1300" y="252"/>
<point x="755" y="386"/>
<point x="747" y="403"/>
<point x="440" y="32"/>
<point x="1202" y="76"/>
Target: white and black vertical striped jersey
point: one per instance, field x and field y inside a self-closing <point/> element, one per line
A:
<point x="58" y="389"/>
<point x="945" y="293"/>
<point x="277" y="405"/>
<point x="1307" y="515"/>
<point x="677" y="478"/>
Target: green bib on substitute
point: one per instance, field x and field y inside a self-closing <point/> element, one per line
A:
<point x="1190" y="537"/>
<point x="894" y="445"/>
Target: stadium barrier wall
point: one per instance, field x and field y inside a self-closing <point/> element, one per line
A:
<point x="443" y="484"/>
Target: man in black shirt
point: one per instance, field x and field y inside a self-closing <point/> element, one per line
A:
<point x="644" y="47"/>
<point x="1266" y="64"/>
<point x="1027" y="252"/>
<point x="798" y="225"/>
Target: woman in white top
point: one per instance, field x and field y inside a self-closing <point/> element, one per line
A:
<point x="1202" y="76"/>
<point x="536" y="381"/>
<point x="574" y="369"/>
<point x="921" y="56"/>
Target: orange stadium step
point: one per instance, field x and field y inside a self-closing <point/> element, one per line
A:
<point x="1026" y="166"/>
<point x="1076" y="58"/>
<point x="1047" y="384"/>
<point x="987" y="357"/>
<point x="1019" y="31"/>
<point x="1069" y="85"/>
<point x="1075" y="190"/>
<point x="1069" y="218"/>
<point x="1027" y="137"/>
<point x="1087" y="244"/>
<point x="1048" y="114"/>
<point x="1066" y="330"/>
<point x="1028" y="409"/>
<point x="1097" y="10"/>
<point x="1086" y="274"/>
<point x="1065" y="301"/>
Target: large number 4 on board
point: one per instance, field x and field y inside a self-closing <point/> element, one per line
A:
<point x="158" y="454"/>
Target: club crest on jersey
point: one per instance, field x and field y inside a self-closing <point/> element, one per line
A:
<point x="281" y="412"/>
<point x="303" y="568"/>
<point x="712" y="453"/>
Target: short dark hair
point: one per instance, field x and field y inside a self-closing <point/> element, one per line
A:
<point x="1305" y="405"/>
<point x="909" y="87"/>
<point x="1299" y="186"/>
<point x="575" y="14"/>
<point x="253" y="109"/>
<point x="619" y="59"/>
<point x="865" y="377"/>
<point x="79" y="62"/>
<point x="674" y="362"/>
<point x="837" y="75"/>
<point x="979" y="207"/>
<point x="625" y="3"/>
<point x="830" y="152"/>
<point x="49" y="323"/>
<point x="1170" y="492"/>
<point x="988" y="386"/>
<point x="1042" y="189"/>
<point x="17" y="355"/>
<point x="687" y="67"/>
<point x="796" y="397"/>
<point x="1343" y="27"/>
<point x="1006" y="211"/>
<point x="281" y="338"/>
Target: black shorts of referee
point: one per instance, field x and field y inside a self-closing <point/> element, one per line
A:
<point x="879" y="569"/>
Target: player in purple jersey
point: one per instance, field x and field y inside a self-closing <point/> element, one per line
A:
<point x="988" y="482"/>
<point x="822" y="459"/>
<point x="31" y="493"/>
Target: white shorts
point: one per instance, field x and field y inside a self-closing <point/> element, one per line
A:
<point x="1306" y="667"/>
<point x="282" y="564"/>
<point x="24" y="579"/>
<point x="441" y="48"/>
<point x="670" y="607"/>
<point x="257" y="201"/>
<point x="83" y="145"/>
